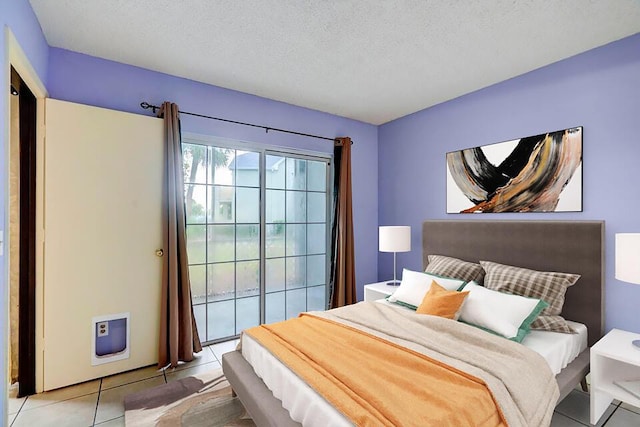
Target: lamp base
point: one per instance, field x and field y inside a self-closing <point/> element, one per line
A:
<point x="636" y="344"/>
<point x="393" y="283"/>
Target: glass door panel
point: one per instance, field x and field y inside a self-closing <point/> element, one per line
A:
<point x="222" y="202"/>
<point x="256" y="236"/>
<point x="296" y="236"/>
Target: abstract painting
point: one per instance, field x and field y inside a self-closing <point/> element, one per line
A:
<point x="541" y="173"/>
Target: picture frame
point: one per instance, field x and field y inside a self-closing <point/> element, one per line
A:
<point x="539" y="173"/>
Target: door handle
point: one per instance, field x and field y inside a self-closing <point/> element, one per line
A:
<point x="159" y="253"/>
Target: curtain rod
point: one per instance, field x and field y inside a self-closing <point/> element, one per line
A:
<point x="146" y="106"/>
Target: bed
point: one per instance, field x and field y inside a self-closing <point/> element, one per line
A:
<point x="568" y="246"/>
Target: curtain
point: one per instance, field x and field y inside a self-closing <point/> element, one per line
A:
<point x="178" y="332"/>
<point x="342" y="280"/>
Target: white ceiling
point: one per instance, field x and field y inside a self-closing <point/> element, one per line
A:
<point x="370" y="60"/>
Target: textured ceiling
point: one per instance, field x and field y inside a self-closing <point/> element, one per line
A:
<point x="370" y="60"/>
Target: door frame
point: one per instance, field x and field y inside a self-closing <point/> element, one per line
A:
<point x="20" y="62"/>
<point x="27" y="228"/>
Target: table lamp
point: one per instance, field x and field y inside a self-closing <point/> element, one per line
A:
<point x="628" y="261"/>
<point x="394" y="239"/>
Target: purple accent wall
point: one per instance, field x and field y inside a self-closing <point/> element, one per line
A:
<point x="89" y="80"/>
<point x="18" y="16"/>
<point x="599" y="90"/>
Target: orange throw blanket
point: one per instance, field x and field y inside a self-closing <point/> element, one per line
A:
<point x="374" y="382"/>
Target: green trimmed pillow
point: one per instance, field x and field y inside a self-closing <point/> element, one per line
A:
<point x="415" y="284"/>
<point x="506" y="315"/>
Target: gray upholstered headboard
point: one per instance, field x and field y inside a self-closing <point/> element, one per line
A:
<point x="564" y="246"/>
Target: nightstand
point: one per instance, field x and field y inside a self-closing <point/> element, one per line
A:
<point x="375" y="291"/>
<point x="613" y="358"/>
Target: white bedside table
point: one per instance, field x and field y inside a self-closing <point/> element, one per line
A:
<point x="375" y="291"/>
<point x="613" y="358"/>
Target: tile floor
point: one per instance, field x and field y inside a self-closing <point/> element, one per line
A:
<point x="99" y="402"/>
<point x="573" y="411"/>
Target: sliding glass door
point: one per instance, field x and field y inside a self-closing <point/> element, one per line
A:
<point x="252" y="262"/>
<point x="296" y="236"/>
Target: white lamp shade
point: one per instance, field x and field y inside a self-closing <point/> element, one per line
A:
<point x="395" y="239"/>
<point x="628" y="257"/>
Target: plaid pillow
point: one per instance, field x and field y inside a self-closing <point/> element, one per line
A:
<point x="553" y="324"/>
<point x="547" y="286"/>
<point x="455" y="268"/>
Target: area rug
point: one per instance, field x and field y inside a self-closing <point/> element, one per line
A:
<point x="199" y="400"/>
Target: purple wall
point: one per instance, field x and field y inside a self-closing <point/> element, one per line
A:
<point x="88" y="80"/>
<point x="599" y="90"/>
<point x="18" y="16"/>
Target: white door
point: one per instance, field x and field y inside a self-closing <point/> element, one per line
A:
<point x="102" y="226"/>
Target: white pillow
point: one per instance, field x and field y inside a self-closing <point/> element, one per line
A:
<point x="505" y="314"/>
<point x="415" y="284"/>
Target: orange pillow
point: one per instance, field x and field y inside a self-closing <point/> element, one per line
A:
<point x="440" y="302"/>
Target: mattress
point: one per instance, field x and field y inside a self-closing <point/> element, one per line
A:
<point x="556" y="348"/>
<point x="310" y="409"/>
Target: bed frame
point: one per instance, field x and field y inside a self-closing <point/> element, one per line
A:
<point x="565" y="246"/>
